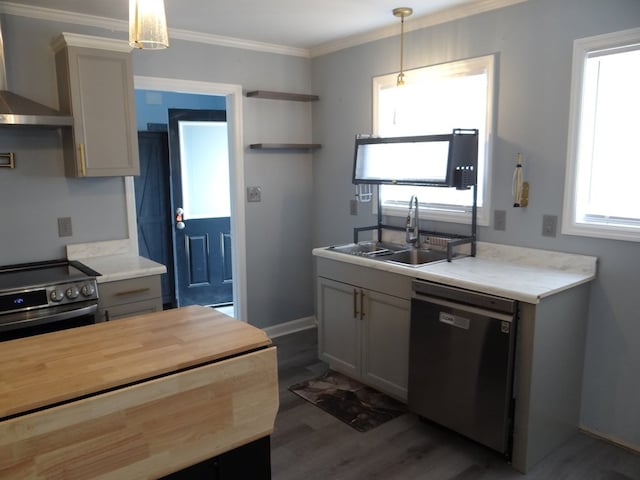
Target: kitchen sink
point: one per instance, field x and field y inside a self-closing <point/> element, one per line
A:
<point x="392" y="252"/>
<point x="416" y="257"/>
<point x="370" y="249"/>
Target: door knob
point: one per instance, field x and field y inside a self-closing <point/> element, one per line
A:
<point x="179" y="218"/>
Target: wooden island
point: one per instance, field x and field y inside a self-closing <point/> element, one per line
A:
<point x="137" y="398"/>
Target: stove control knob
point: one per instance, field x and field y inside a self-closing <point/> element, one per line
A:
<point x="56" y="295"/>
<point x="87" y="290"/>
<point x="72" y="292"/>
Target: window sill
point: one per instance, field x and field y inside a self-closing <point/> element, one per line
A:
<point x="438" y="216"/>
<point x="600" y="231"/>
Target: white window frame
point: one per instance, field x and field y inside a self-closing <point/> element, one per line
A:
<point x="582" y="49"/>
<point x="485" y="144"/>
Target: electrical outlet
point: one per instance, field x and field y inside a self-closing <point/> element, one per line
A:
<point x="254" y="194"/>
<point x="64" y="227"/>
<point x="499" y="219"/>
<point x="353" y="207"/>
<point x="549" y="225"/>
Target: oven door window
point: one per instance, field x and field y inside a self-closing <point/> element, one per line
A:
<point x="46" y="324"/>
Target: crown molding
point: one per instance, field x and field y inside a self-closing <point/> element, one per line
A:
<point x="62" y="16"/>
<point x="76" y="40"/>
<point x="455" y="13"/>
<point x="437" y="18"/>
<point x="233" y="42"/>
<point x="74" y="18"/>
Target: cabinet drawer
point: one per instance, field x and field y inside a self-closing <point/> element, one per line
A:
<point x="365" y="277"/>
<point x="128" y="309"/>
<point x="129" y="291"/>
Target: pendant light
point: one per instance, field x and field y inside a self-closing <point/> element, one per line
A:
<point x="147" y="24"/>
<point x="401" y="12"/>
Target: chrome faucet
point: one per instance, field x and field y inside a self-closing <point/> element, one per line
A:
<point x="413" y="223"/>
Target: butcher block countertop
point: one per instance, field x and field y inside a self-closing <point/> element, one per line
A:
<point x="57" y="367"/>
<point x="135" y="398"/>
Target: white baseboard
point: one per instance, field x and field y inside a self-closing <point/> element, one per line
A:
<point x="609" y="439"/>
<point x="291" y="327"/>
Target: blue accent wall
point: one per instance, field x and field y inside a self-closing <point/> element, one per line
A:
<point x="152" y="105"/>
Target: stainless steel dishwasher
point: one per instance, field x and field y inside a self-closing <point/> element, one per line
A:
<point x="461" y="358"/>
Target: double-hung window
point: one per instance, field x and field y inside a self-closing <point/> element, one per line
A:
<point x="602" y="193"/>
<point x="435" y="100"/>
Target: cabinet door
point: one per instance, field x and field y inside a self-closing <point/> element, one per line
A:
<point x="99" y="93"/>
<point x="339" y="326"/>
<point x="385" y="343"/>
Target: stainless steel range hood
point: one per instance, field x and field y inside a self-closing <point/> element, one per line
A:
<point x="18" y="110"/>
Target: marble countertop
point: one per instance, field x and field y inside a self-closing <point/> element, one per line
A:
<point x="523" y="274"/>
<point x="122" y="267"/>
<point x="113" y="260"/>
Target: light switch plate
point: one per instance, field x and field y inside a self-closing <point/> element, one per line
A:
<point x="549" y="225"/>
<point x="353" y="207"/>
<point x="64" y="227"/>
<point x="254" y="194"/>
<point x="499" y="219"/>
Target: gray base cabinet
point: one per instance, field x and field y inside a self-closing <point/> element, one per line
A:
<point x="363" y="331"/>
<point x="385" y="334"/>
<point x="363" y="324"/>
<point x="339" y="326"/>
<point x="95" y="85"/>
<point x="124" y="298"/>
<point x="548" y="377"/>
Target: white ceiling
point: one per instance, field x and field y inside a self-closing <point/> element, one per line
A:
<point x="301" y="24"/>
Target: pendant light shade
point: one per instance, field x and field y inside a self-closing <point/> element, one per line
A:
<point x="147" y="24"/>
<point x="401" y="12"/>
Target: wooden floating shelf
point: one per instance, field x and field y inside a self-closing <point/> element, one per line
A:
<point x="296" y="97"/>
<point x="285" y="146"/>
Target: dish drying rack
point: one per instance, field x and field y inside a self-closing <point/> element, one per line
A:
<point x="446" y="241"/>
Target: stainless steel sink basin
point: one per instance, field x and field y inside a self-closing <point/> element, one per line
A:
<point x="369" y="249"/>
<point x="392" y="252"/>
<point x="416" y="257"/>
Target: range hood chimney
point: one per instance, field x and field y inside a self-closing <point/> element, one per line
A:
<point x="18" y="110"/>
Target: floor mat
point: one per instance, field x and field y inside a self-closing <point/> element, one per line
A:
<point x="357" y="405"/>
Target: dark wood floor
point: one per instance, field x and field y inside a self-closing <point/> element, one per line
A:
<point x="310" y="444"/>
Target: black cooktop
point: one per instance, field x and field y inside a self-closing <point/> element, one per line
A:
<point x="42" y="274"/>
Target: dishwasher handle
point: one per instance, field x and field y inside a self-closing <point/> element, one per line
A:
<point x="462" y="307"/>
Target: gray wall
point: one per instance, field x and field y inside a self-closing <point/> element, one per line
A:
<point x="279" y="266"/>
<point x="36" y="192"/>
<point x="534" y="43"/>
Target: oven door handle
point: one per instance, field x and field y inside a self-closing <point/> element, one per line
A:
<point x="89" y="310"/>
<point x="53" y="317"/>
<point x="462" y="307"/>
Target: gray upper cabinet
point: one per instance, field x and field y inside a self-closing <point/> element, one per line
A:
<point x="95" y="85"/>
